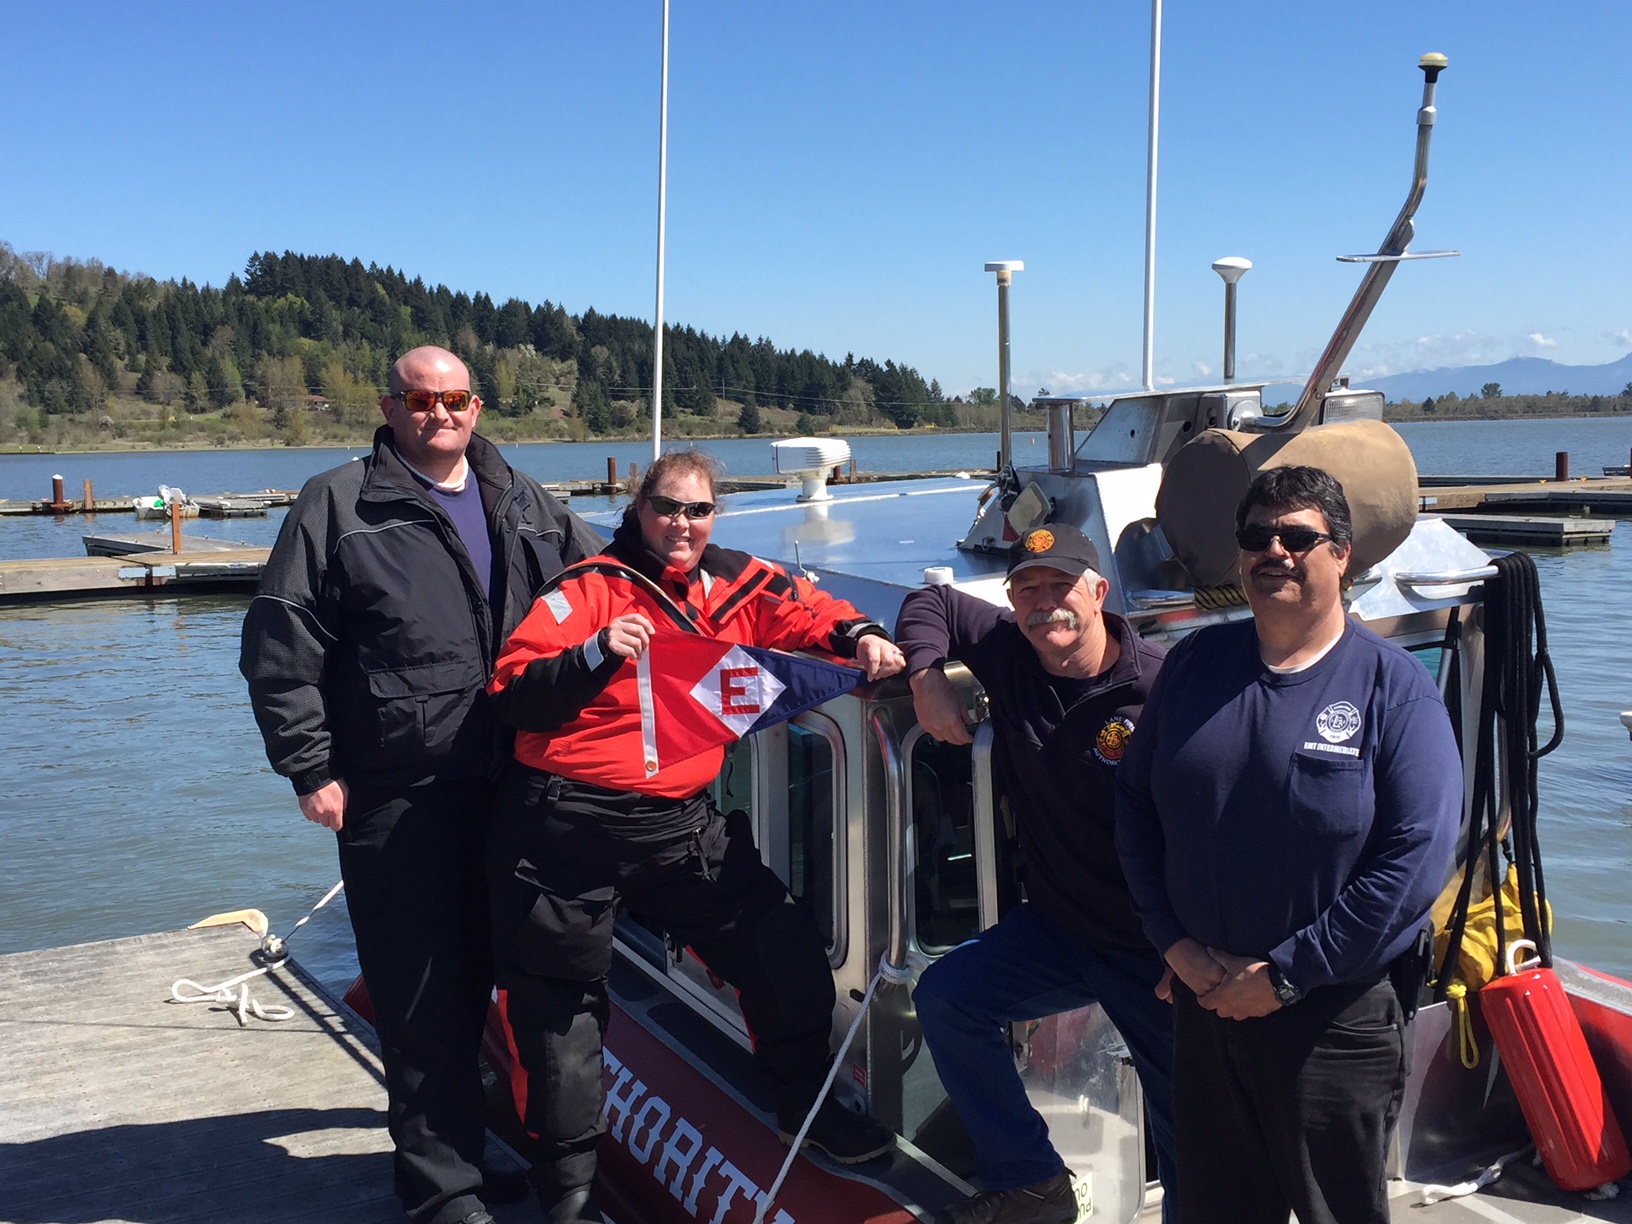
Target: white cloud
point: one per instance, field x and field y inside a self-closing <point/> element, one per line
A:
<point x="1623" y="337"/>
<point x="1203" y="369"/>
<point x="1064" y="382"/>
<point x="1541" y="341"/>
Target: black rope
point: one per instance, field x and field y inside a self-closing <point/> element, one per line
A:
<point x="1517" y="668"/>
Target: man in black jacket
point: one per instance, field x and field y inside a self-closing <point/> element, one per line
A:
<point x="367" y="649"/>
<point x="1066" y="681"/>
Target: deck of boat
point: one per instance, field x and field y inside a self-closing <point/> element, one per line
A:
<point x="118" y="1105"/>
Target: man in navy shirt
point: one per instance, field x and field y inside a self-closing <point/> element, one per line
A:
<point x="1066" y="681"/>
<point x="1286" y="815"/>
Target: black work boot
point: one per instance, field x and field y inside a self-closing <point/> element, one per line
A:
<point x="566" y="1188"/>
<point x="1047" y="1202"/>
<point x="840" y="1134"/>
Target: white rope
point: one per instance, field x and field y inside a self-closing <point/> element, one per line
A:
<point x="274" y="950"/>
<point x="185" y="990"/>
<point x="1432" y="1194"/>
<point x="887" y="972"/>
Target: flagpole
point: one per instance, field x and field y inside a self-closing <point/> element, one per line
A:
<point x="662" y="242"/>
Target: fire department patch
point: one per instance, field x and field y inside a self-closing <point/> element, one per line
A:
<point x="1112" y="740"/>
<point x="1338" y="722"/>
<point x="1040" y="540"/>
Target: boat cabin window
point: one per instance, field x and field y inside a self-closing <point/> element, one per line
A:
<point x="942" y="799"/>
<point x="812" y="802"/>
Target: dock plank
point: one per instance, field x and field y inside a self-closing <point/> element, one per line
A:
<point x="118" y="1105"/>
<point x="1542" y="530"/>
<point x="144" y="573"/>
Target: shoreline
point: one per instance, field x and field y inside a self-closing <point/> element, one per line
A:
<point x="125" y="448"/>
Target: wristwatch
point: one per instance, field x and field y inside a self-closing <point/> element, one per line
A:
<point x="1286" y="994"/>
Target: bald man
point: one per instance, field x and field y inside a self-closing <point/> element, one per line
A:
<point x="367" y="650"/>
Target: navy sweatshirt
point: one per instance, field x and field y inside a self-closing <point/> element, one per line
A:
<point x="1308" y="819"/>
<point x="1056" y="751"/>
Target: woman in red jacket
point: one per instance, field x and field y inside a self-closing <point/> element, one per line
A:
<point x="587" y="815"/>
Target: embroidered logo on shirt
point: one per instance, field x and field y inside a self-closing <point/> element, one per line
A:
<point x="1338" y="722"/>
<point x="1112" y="740"/>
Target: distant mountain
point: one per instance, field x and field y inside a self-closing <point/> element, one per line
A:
<point x="1518" y="376"/>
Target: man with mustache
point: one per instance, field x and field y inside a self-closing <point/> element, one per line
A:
<point x="1066" y="681"/>
<point x="1286" y="816"/>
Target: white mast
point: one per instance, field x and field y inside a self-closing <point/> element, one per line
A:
<point x="662" y="242"/>
<point x="1149" y="363"/>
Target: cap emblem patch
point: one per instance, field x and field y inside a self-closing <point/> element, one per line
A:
<point x="1040" y="540"/>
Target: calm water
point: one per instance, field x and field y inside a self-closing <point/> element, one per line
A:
<point x="137" y="797"/>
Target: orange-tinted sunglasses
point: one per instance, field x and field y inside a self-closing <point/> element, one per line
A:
<point x="422" y="402"/>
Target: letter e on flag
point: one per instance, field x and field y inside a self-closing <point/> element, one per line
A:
<point x="737" y="690"/>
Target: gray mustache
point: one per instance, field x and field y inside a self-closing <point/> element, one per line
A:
<point x="1058" y="616"/>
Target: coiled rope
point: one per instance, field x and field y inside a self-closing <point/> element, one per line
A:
<point x="272" y="953"/>
<point x="1515" y="674"/>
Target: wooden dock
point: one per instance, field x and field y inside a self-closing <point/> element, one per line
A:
<point x="215" y="505"/>
<point x="1594" y="495"/>
<point x="1536" y="531"/>
<point x="141" y="574"/>
<point x="119" y="1105"/>
<point x="256" y="505"/>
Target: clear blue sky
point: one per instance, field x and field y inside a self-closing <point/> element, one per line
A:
<point x="840" y="171"/>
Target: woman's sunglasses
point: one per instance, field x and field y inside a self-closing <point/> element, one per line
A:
<point x="422" y="402"/>
<point x="1294" y="539"/>
<point x="667" y="507"/>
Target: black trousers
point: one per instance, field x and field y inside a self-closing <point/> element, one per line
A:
<point x="1292" y="1111"/>
<point x="412" y="862"/>
<point x="560" y="858"/>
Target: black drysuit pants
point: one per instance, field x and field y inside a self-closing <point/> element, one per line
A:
<point x="412" y="862"/>
<point x="561" y="855"/>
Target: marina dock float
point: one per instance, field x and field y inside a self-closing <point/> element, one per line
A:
<point x="135" y="543"/>
<point x="215" y="505"/>
<point x="1594" y="495"/>
<point x="247" y="505"/>
<point x="117" y="1104"/>
<point x="1536" y="531"/>
<point x="235" y="570"/>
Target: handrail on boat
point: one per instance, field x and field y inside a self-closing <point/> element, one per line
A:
<point x="1444" y="577"/>
<point x="895" y="949"/>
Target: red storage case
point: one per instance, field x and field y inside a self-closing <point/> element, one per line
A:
<point x="1556" y="1081"/>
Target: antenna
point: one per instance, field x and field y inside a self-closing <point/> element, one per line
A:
<point x="1148" y="364"/>
<point x="662" y="240"/>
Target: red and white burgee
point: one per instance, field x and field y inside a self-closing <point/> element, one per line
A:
<point x="697" y="693"/>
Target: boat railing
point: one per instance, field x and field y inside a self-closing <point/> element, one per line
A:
<point x="889" y="752"/>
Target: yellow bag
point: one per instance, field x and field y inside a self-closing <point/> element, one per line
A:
<point x="1476" y="960"/>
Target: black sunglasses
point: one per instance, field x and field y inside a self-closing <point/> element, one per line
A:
<point x="669" y="508"/>
<point x="1257" y="538"/>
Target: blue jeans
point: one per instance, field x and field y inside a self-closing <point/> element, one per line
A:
<point x="1026" y="968"/>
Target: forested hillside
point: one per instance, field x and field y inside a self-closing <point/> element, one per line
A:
<point x="297" y="349"/>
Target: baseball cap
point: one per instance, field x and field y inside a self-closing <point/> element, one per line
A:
<point x="1057" y="545"/>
